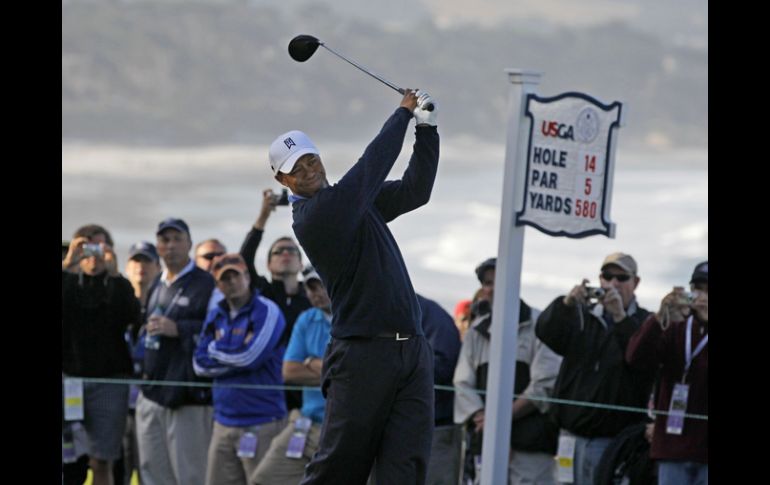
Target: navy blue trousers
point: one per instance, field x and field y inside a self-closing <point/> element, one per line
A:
<point x="379" y="412"/>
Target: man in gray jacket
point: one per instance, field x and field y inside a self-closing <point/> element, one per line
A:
<point x="533" y="436"/>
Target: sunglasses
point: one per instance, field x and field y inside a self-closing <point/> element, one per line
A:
<point x="620" y="277"/>
<point x="289" y="249"/>
<point x="210" y="256"/>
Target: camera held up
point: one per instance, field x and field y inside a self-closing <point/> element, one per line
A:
<point x="90" y="249"/>
<point x="594" y="293"/>
<point x="282" y="199"/>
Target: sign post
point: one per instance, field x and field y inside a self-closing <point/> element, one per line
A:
<point x="505" y="307"/>
<point x="560" y="182"/>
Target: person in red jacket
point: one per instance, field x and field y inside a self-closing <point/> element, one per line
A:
<point x="676" y="339"/>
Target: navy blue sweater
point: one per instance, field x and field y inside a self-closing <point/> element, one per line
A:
<point x="343" y="229"/>
<point x="173" y="361"/>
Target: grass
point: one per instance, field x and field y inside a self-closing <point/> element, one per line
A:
<point x="90" y="479"/>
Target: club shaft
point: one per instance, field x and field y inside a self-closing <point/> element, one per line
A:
<point x="384" y="81"/>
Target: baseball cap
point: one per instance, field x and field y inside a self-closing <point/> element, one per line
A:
<point x="622" y="260"/>
<point x="173" y="223"/>
<point x="462" y="307"/>
<point x="700" y="273"/>
<point x="144" y="248"/>
<point x="226" y="262"/>
<point x="485" y="265"/>
<point x="287" y="148"/>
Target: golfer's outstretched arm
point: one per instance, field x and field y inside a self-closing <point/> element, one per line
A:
<point x="364" y="180"/>
<point x="413" y="190"/>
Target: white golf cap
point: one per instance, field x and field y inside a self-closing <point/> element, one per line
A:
<point x="287" y="148"/>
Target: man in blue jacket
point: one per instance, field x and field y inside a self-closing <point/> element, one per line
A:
<point x="173" y="423"/>
<point x="444" y="339"/>
<point x="239" y="344"/>
<point x="378" y="369"/>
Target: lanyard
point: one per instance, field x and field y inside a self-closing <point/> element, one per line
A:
<point x="160" y="288"/>
<point x="173" y="301"/>
<point x="689" y="354"/>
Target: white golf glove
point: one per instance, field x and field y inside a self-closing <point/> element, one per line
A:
<point x="422" y="116"/>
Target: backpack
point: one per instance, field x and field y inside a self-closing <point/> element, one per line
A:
<point x="626" y="461"/>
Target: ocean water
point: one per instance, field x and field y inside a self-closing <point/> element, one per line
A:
<point x="660" y="207"/>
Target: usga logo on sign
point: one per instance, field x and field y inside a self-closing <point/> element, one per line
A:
<point x="557" y="130"/>
<point x="587" y="127"/>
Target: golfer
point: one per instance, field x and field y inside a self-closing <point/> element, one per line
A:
<point x="378" y="369"/>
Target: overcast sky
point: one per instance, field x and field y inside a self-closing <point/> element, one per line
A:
<point x="684" y="22"/>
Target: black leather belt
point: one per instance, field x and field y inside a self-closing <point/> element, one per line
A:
<point x="396" y="336"/>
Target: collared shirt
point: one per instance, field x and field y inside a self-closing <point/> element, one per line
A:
<point x="601" y="313"/>
<point x="164" y="275"/>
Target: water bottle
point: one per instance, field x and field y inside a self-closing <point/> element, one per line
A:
<point x="153" y="341"/>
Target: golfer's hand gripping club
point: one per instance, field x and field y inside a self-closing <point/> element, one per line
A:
<point x="426" y="107"/>
<point x="426" y="111"/>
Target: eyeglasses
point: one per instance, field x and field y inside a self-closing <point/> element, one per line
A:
<point x="289" y="249"/>
<point x="210" y="256"/>
<point x="620" y="277"/>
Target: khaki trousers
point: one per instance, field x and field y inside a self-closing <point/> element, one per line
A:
<point x="276" y="468"/>
<point x="225" y="467"/>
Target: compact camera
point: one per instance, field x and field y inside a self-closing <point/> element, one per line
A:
<point x="282" y="199"/>
<point x="595" y="293"/>
<point x="480" y="307"/>
<point x="90" y="249"/>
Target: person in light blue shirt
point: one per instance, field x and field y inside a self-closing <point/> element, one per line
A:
<point x="293" y="448"/>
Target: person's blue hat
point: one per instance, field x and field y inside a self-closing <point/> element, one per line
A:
<point x="144" y="248"/>
<point x="173" y="223"/>
<point x="701" y="273"/>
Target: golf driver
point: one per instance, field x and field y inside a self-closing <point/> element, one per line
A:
<point x="302" y="47"/>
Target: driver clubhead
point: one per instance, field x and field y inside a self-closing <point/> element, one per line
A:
<point x="302" y="47"/>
